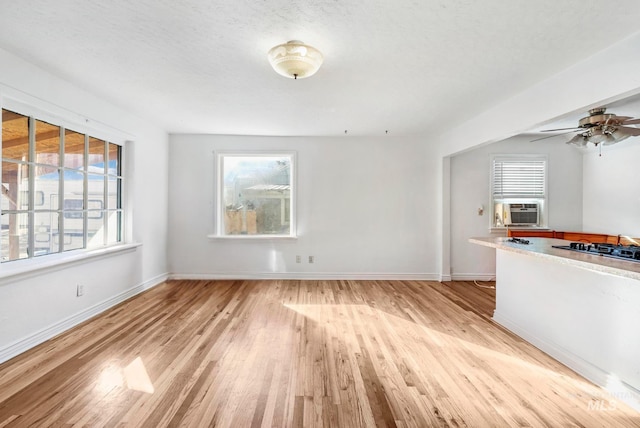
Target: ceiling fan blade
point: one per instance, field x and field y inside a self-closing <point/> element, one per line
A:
<point x="627" y="130"/>
<point x="551" y="136"/>
<point x="575" y="128"/>
<point x="631" y="122"/>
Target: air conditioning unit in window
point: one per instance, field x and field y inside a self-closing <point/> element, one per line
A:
<point x="522" y="214"/>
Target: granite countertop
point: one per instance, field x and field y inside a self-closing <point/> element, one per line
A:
<point x="542" y="247"/>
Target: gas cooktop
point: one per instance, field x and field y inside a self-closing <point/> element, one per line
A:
<point x="624" y="252"/>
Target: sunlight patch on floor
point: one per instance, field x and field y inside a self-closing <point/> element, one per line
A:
<point x="422" y="340"/>
<point x="134" y="376"/>
<point x="137" y="378"/>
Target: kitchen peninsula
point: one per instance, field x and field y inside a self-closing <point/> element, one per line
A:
<point x="582" y="309"/>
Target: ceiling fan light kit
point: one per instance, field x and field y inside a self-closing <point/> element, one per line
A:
<point x="295" y="60"/>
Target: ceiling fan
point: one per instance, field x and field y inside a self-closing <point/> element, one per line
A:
<point x="600" y="128"/>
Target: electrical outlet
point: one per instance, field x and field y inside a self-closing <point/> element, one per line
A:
<point x="298" y="259"/>
<point x="80" y="290"/>
<point x="311" y="259"/>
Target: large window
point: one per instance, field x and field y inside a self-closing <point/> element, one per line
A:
<point x="519" y="190"/>
<point x="256" y="194"/>
<point x="61" y="189"/>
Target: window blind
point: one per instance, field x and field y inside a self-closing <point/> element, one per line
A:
<point x="518" y="178"/>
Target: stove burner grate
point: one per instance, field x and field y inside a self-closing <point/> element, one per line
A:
<point x="622" y="252"/>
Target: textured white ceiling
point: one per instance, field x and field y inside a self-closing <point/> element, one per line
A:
<point x="403" y="66"/>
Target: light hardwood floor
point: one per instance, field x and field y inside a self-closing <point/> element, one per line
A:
<point x="299" y="353"/>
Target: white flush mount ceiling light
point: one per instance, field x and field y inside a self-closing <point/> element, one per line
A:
<point x="295" y="60"/>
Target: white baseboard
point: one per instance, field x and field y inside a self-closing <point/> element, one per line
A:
<point x="595" y="374"/>
<point x="22" y="345"/>
<point x="308" y="275"/>
<point x="445" y="278"/>
<point x="473" y="276"/>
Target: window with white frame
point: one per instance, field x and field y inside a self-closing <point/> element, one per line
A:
<point x="519" y="190"/>
<point x="61" y="189"/>
<point x="256" y="194"/>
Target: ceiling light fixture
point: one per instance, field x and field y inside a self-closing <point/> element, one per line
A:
<point x="603" y="128"/>
<point x="600" y="129"/>
<point x="295" y="60"/>
<point x="599" y="134"/>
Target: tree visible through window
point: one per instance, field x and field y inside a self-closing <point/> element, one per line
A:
<point x="256" y="194"/>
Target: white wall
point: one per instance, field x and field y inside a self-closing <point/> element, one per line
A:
<point x="470" y="182"/>
<point x="611" y="190"/>
<point x="35" y="307"/>
<point x="366" y="208"/>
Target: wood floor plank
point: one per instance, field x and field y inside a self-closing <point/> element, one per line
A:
<point x="291" y="353"/>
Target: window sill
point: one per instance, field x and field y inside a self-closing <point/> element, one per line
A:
<point x="504" y="229"/>
<point x="252" y="237"/>
<point x="21" y="269"/>
<point x="520" y="228"/>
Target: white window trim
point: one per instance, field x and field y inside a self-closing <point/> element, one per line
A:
<point x="219" y="194"/>
<point x="544" y="215"/>
<point x="22" y="103"/>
